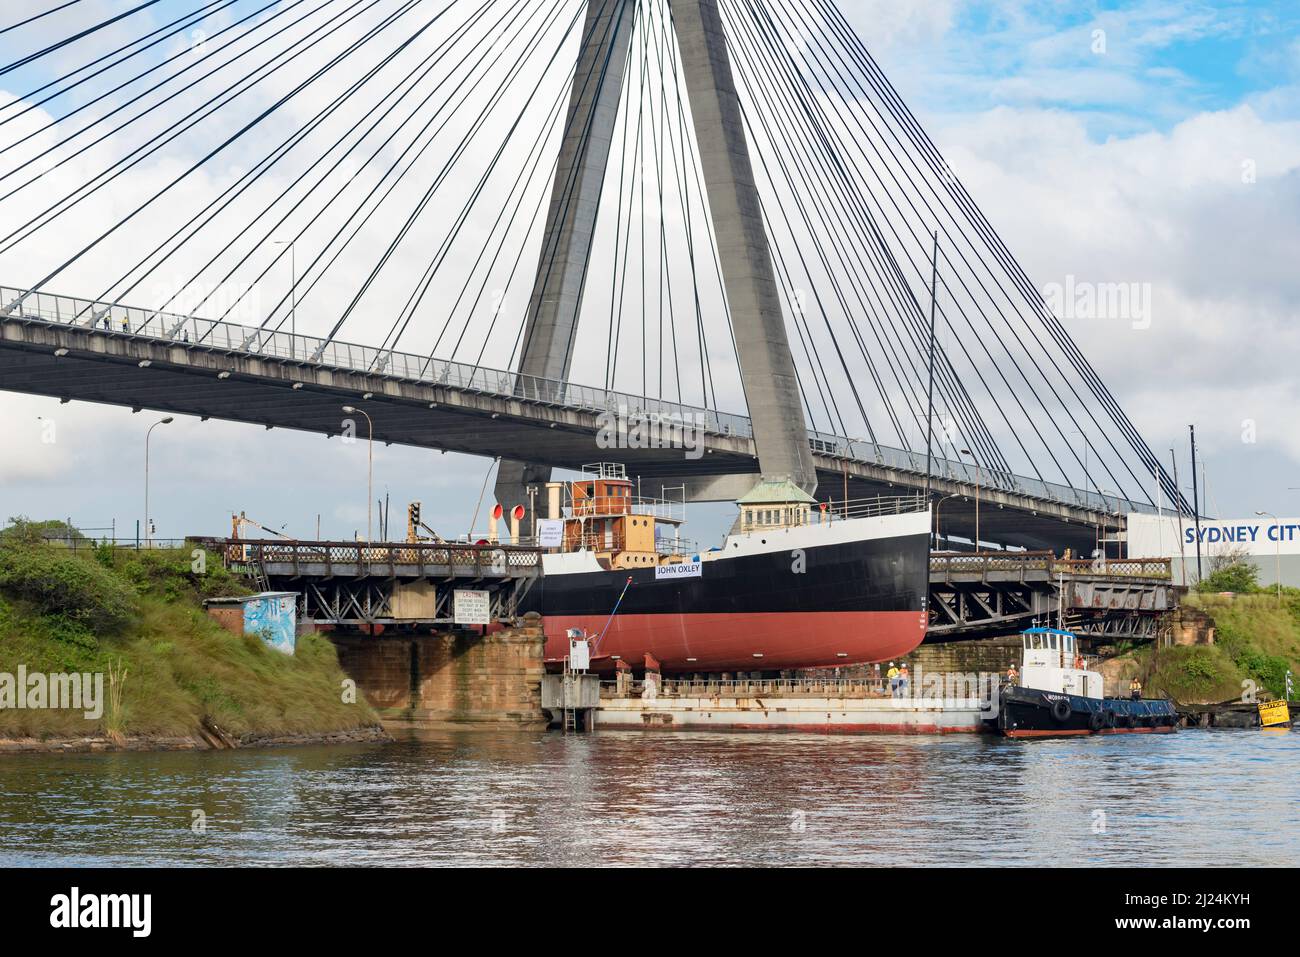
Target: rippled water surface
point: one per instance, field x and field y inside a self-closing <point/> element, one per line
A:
<point x="1197" y="797"/>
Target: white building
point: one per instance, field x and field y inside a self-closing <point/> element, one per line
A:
<point x="1270" y="544"/>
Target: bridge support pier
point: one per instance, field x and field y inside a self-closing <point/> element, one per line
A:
<point x="766" y="365"/>
<point x="571" y="221"/>
<point x="763" y="347"/>
<point x="451" y="679"/>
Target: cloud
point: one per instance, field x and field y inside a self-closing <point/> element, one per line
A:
<point x="1177" y="212"/>
<point x="885" y="23"/>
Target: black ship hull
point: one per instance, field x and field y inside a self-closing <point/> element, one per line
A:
<point x="801" y="604"/>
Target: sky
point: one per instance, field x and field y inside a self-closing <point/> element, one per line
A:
<point x="1154" y="142"/>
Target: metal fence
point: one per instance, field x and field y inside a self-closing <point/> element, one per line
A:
<point x="90" y="544"/>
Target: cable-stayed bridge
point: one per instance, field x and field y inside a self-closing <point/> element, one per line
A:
<point x="544" y="216"/>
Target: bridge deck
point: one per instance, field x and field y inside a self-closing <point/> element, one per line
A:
<point x="79" y="349"/>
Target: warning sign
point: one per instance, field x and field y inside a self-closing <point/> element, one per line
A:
<point x="471" y="607"/>
<point x="1273" y="713"/>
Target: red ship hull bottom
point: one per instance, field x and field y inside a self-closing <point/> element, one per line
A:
<point x="757" y="641"/>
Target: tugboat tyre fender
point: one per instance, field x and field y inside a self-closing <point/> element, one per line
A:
<point x="1097" y="721"/>
<point x="1109" y="718"/>
<point x="1061" y="711"/>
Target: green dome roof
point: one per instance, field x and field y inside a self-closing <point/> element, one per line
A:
<point x="775" y="492"/>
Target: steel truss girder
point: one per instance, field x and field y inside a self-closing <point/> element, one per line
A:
<point x="368" y="601"/>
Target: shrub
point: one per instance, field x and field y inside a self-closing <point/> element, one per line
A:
<point x="1269" y="670"/>
<point x="24" y="531"/>
<point x="67" y="586"/>
<point x="1241" y="578"/>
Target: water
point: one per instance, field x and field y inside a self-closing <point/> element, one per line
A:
<point x="1195" y="798"/>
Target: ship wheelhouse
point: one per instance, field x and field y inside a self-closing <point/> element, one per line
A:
<point x="1051" y="661"/>
<point x="774" y="504"/>
<point x="603" y="515"/>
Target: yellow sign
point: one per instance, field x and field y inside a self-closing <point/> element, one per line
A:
<point x="1273" y="713"/>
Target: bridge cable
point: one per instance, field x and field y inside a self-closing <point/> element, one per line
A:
<point x="140" y="153"/>
<point x="425" y="283"/>
<point x="204" y="216"/>
<point x="460" y="150"/>
<point x="908" y="305"/>
<point x="33" y="19"/>
<point x="186" y="21"/>
<point x="945" y="252"/>
<point x="261" y="117"/>
<point x="23" y="61"/>
<point x="999" y="250"/>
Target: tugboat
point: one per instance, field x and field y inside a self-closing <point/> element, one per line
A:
<point x="1057" y="695"/>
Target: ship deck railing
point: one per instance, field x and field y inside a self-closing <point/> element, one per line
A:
<point x="746" y="688"/>
<point x="942" y="690"/>
<point x="873" y="507"/>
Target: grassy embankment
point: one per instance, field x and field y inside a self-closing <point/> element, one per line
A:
<point x="169" y="669"/>
<point x="1256" y="639"/>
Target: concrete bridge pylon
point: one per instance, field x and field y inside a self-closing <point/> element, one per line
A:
<point x="766" y="364"/>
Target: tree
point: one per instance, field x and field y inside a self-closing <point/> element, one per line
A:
<point x="1241" y="577"/>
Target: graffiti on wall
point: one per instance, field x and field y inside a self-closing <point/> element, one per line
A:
<point x="274" y="618"/>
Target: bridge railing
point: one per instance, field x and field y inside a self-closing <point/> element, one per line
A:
<point x="980" y="563"/>
<point x="194" y="332"/>
<point x="967" y="473"/>
<point x="1117" y="567"/>
<point x="492" y="559"/>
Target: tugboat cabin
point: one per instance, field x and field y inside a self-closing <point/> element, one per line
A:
<point x="1049" y="664"/>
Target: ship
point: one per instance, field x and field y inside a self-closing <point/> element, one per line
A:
<point x="1055" y="694"/>
<point x="795" y="584"/>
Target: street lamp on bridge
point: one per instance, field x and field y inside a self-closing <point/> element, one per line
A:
<point x="971" y="454"/>
<point x="370" y="467"/>
<point x="938" y="506"/>
<point x="148" y="522"/>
